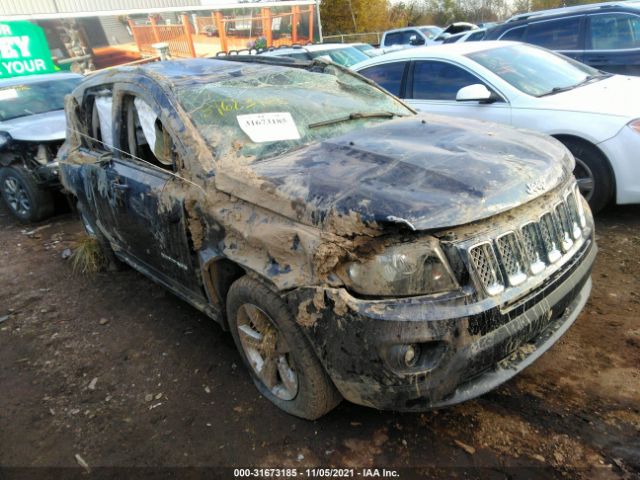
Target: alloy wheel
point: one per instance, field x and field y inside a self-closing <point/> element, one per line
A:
<point x="17" y="196"/>
<point x="585" y="178"/>
<point x="267" y="351"/>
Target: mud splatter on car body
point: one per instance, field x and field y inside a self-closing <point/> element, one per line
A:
<point x="416" y="253"/>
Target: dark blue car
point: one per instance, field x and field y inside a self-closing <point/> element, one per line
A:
<point x="353" y="248"/>
<point x="605" y="36"/>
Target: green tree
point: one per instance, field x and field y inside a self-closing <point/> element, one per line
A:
<point x="355" y="16"/>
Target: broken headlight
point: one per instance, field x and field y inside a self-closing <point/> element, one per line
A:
<point x="415" y="268"/>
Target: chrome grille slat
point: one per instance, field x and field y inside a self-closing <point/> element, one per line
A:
<point x="564" y="226"/>
<point x="574" y="215"/>
<point x="533" y="247"/>
<point x="486" y="266"/>
<point x="550" y="237"/>
<point x="514" y="256"/>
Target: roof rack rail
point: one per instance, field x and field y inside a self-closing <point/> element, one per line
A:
<point x="553" y="11"/>
<point x="258" y="51"/>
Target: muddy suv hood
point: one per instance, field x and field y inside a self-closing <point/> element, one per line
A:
<point x="424" y="171"/>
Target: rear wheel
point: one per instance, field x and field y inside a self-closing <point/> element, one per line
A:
<point x="22" y="195"/>
<point x="592" y="173"/>
<point x="278" y="356"/>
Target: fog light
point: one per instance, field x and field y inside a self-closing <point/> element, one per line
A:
<point x="414" y="357"/>
<point x="404" y="356"/>
<point x="410" y="355"/>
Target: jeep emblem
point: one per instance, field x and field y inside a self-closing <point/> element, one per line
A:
<point x="539" y="186"/>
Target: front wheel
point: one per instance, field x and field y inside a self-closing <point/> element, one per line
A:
<point x="22" y="195"/>
<point x="593" y="174"/>
<point x="279" y="358"/>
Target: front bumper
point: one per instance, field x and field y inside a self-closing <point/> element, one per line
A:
<point x="467" y="348"/>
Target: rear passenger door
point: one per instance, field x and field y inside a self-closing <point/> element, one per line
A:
<point x="613" y="42"/>
<point x="432" y="86"/>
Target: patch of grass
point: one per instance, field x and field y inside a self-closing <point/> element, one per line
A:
<point x="87" y="256"/>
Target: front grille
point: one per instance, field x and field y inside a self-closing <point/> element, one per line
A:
<point x="486" y="267"/>
<point x="514" y="256"/>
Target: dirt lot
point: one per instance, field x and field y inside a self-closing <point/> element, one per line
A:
<point x="114" y="369"/>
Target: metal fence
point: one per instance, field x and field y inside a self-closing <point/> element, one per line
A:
<point x="371" y="37"/>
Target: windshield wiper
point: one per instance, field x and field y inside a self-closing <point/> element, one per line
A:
<point x="587" y="79"/>
<point x="354" y="116"/>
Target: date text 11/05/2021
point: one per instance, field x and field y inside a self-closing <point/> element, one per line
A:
<point x="315" y="473"/>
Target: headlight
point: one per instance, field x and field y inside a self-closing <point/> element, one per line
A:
<point x="5" y="138"/>
<point x="415" y="268"/>
<point x="635" y="125"/>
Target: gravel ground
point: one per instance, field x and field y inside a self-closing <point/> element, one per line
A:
<point x="110" y="370"/>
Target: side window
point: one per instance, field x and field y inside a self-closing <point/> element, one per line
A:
<point x="476" y="37"/>
<point x="388" y="76"/>
<point x="515" y="34"/>
<point x="406" y="37"/>
<point x="98" y="119"/>
<point x="393" y="39"/>
<point x="434" y="80"/>
<point x="563" y="34"/>
<point x="614" y="31"/>
<point x="143" y="135"/>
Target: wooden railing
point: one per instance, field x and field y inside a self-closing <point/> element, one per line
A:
<point x="181" y="40"/>
<point x="178" y="37"/>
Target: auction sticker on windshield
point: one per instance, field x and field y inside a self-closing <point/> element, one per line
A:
<point x="269" y="127"/>
<point x="8" y="93"/>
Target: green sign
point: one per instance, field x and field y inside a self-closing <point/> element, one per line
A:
<point x="23" y="50"/>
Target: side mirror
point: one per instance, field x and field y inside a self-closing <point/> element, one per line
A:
<point x="415" y="40"/>
<point x="476" y="93"/>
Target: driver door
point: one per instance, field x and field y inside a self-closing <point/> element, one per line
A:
<point x="146" y="198"/>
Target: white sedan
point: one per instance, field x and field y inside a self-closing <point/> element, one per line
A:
<point x="596" y="115"/>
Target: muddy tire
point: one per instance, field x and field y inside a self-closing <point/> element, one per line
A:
<point x="22" y="195"/>
<point x="281" y="362"/>
<point x="112" y="264"/>
<point x="592" y="172"/>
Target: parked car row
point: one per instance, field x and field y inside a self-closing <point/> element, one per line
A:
<point x="605" y="36"/>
